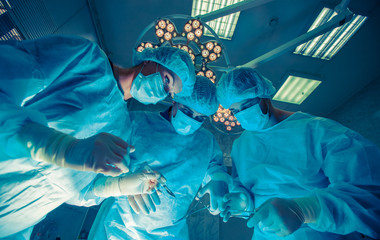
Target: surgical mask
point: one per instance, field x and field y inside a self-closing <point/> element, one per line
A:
<point x="184" y="124"/>
<point x="252" y="118"/>
<point x="148" y="89"/>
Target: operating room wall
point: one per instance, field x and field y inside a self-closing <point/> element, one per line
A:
<point x="362" y="112"/>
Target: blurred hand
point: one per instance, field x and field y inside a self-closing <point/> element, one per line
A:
<point x="235" y="204"/>
<point x="216" y="191"/>
<point x="279" y="216"/>
<point x="101" y="153"/>
<point x="145" y="203"/>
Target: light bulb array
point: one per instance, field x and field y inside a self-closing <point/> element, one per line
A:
<point x="224" y="116"/>
<point x="193" y="30"/>
<point x="206" y="72"/>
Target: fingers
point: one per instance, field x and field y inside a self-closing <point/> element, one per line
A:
<point x="226" y="214"/>
<point x="260" y="215"/>
<point x="118" y="141"/>
<point x="117" y="162"/>
<point x="133" y="204"/>
<point x="109" y="170"/>
<point x="131" y="149"/>
<point x="253" y="221"/>
<point x="155" y="198"/>
<point x="140" y="202"/>
<point x="213" y="203"/>
<point x="120" y="158"/>
<point x="119" y="152"/>
<point x="203" y="191"/>
<point x="148" y="201"/>
<point x="226" y="200"/>
<point x="123" y="165"/>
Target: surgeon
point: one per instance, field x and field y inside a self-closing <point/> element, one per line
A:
<point x="297" y="176"/>
<point x="174" y="144"/>
<point x="62" y="110"/>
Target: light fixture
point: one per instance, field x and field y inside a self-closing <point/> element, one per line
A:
<point x="224" y="27"/>
<point x="296" y="89"/>
<point x="225" y="117"/>
<point x="13" y="33"/>
<point x="327" y="45"/>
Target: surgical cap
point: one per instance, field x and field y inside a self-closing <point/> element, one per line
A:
<point x="174" y="59"/>
<point x="203" y="99"/>
<point x="243" y="83"/>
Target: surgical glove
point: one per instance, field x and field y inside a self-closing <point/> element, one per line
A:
<point x="102" y="153"/>
<point x="130" y="184"/>
<point x="216" y="191"/>
<point x="284" y="216"/>
<point x="237" y="203"/>
<point x="146" y="203"/>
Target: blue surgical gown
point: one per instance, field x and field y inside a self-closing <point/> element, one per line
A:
<point x="306" y="155"/>
<point x="65" y="83"/>
<point x="184" y="160"/>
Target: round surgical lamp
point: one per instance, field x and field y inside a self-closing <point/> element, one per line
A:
<point x="207" y="56"/>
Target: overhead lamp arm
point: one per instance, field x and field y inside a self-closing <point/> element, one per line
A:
<point x="237" y="7"/>
<point x="343" y="17"/>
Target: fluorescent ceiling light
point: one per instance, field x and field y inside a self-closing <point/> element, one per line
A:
<point x="11" y="35"/>
<point x="224" y="27"/>
<point x="296" y="89"/>
<point x="327" y="45"/>
<point x="2" y="8"/>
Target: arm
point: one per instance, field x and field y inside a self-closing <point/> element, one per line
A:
<point x="216" y="180"/>
<point x="238" y="202"/>
<point x="23" y="131"/>
<point x="351" y="201"/>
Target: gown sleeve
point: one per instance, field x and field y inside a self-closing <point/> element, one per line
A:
<point x="216" y="170"/>
<point x="27" y="68"/>
<point x="351" y="163"/>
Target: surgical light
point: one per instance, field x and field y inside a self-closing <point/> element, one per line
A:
<point x="223" y="26"/>
<point x="296" y="89"/>
<point x="327" y="45"/>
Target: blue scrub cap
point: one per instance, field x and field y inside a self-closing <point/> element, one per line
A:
<point x="243" y="83"/>
<point x="203" y="99"/>
<point x="174" y="59"/>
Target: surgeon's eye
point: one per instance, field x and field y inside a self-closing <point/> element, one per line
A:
<point x="201" y="118"/>
<point x="188" y="112"/>
<point x="166" y="84"/>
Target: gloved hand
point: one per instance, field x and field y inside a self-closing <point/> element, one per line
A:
<point x="216" y="191"/>
<point x="237" y="203"/>
<point x="284" y="216"/>
<point x="101" y="153"/>
<point x="130" y="184"/>
<point x="146" y="203"/>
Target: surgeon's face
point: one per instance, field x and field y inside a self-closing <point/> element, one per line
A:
<point x="246" y="103"/>
<point x="189" y="112"/>
<point x="172" y="83"/>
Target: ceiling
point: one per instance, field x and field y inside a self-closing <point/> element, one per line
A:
<point x="119" y="24"/>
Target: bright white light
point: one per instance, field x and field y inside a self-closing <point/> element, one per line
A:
<point x="296" y="89"/>
<point x="327" y="45"/>
<point x="224" y="27"/>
